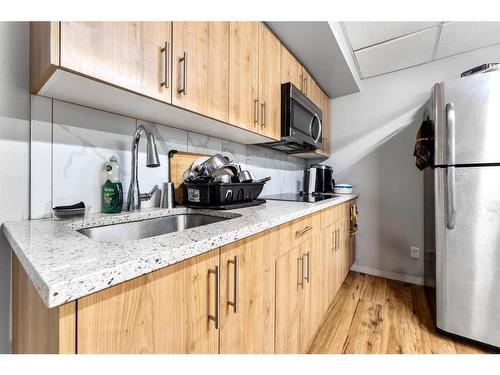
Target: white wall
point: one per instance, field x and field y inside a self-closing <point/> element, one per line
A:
<point x="70" y="144"/>
<point x="14" y="150"/>
<point x="373" y="136"/>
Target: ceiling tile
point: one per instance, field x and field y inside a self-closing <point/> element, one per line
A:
<point x="457" y="37"/>
<point x="363" y="34"/>
<point x="397" y="54"/>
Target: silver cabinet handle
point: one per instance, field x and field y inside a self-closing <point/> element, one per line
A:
<point x="334" y="240"/>
<point x="305" y="85"/>
<point x="256" y="112"/>
<point x="166" y="51"/>
<point x="302" y="83"/>
<point x="308" y="277"/>
<point x="263" y="108"/>
<point x="216" y="317"/>
<point x="183" y="59"/>
<point x="450" y="171"/>
<point x="300" y="278"/>
<point x="337" y="243"/>
<point x="234" y="302"/>
<point x="303" y="231"/>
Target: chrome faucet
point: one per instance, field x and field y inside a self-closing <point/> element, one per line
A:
<point x="134" y="195"/>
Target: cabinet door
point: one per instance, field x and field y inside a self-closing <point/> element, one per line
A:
<point x="347" y="252"/>
<point x="328" y="246"/>
<point x="309" y="295"/>
<point x="342" y="251"/>
<point x="314" y="92"/>
<point x="201" y="68"/>
<point x="288" y="289"/>
<point x="163" y="312"/>
<point x="247" y="295"/>
<point x="244" y="75"/>
<point x="291" y="70"/>
<point x="125" y="54"/>
<point x="318" y="273"/>
<point x="306" y="83"/>
<point x="269" y="83"/>
<point x="339" y="258"/>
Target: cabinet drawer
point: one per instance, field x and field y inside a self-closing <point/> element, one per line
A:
<point x="328" y="216"/>
<point x="301" y="230"/>
<point x="343" y="211"/>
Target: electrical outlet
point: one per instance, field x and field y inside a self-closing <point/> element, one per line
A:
<point x="415" y="252"/>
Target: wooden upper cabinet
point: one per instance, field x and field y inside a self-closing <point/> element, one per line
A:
<point x="269" y="83"/>
<point x="163" y="312"/>
<point x="200" y="75"/>
<point x="130" y="55"/>
<point x="247" y="295"/>
<point x="291" y="70"/>
<point x="306" y="83"/>
<point x="244" y="75"/>
<point x="314" y="92"/>
<point x="325" y="110"/>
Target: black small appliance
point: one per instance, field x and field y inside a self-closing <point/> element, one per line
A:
<point x="318" y="179"/>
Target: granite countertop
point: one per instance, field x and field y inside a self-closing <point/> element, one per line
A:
<point x="65" y="265"/>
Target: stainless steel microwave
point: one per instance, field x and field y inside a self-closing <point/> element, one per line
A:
<point x="301" y="122"/>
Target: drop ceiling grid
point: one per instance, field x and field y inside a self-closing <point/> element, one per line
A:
<point x="440" y="40"/>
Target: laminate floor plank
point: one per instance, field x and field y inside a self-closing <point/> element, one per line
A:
<point x="371" y="314"/>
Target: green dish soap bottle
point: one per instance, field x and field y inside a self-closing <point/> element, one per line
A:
<point x="112" y="191"/>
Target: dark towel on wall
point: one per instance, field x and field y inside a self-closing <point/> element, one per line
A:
<point x="422" y="151"/>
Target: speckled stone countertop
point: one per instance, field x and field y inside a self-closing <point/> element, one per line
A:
<point x="65" y="265"/>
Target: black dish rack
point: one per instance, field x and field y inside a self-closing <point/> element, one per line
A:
<point x="223" y="195"/>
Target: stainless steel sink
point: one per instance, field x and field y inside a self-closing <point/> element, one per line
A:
<point x="137" y="230"/>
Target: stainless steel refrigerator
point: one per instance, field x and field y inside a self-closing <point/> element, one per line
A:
<point x="462" y="207"/>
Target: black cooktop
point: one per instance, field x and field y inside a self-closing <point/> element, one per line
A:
<point x="294" y="197"/>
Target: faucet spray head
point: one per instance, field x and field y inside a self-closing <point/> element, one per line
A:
<point x="152" y="160"/>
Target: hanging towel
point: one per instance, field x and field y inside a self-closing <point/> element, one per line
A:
<point x="422" y="151"/>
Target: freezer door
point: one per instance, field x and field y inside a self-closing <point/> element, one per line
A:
<point x="472" y="105"/>
<point x="468" y="253"/>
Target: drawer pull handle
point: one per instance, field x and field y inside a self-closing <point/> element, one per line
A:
<point x="308" y="277"/>
<point x="303" y="231"/>
<point x="183" y="60"/>
<point x="234" y="302"/>
<point x="263" y="107"/>
<point x="256" y="112"/>
<point x="216" y="317"/>
<point x="166" y="50"/>
<point x="300" y="277"/>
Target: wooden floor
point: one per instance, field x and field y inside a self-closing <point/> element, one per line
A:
<point x="375" y="315"/>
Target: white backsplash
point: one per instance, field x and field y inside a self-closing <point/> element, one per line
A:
<point x="70" y="144"/>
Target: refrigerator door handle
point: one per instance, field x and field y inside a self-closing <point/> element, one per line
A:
<point x="450" y="130"/>
<point x="450" y="172"/>
<point x="451" y="200"/>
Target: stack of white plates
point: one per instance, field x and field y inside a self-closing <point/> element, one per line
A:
<point x="342" y="189"/>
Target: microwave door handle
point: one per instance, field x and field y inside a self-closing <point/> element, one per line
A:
<point x="320" y="127"/>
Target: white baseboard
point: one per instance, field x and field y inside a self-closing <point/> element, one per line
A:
<point x="389" y="275"/>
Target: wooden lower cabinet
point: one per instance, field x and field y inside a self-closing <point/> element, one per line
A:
<point x="36" y="329"/>
<point x="288" y="302"/>
<point x="163" y="312"/>
<point x="247" y="294"/>
<point x="272" y="299"/>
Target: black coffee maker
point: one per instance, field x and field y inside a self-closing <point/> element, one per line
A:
<point x="319" y="179"/>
